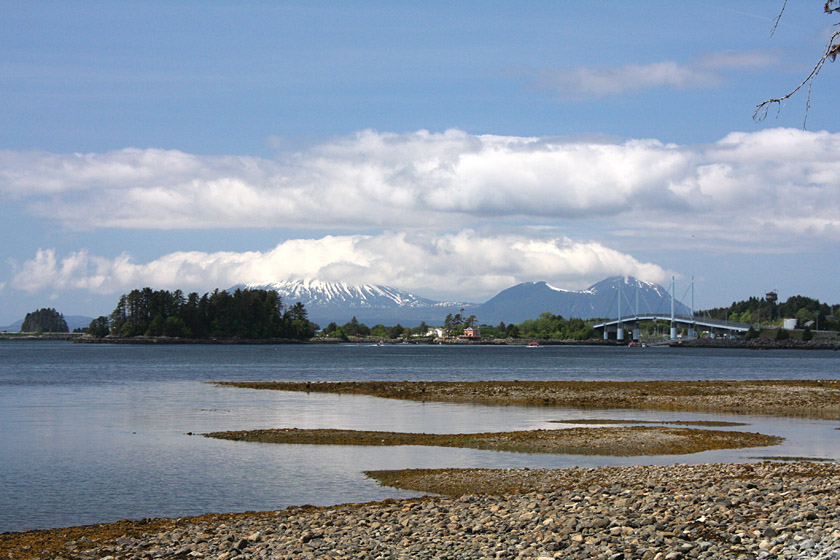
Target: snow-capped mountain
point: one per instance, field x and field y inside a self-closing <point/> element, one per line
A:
<point x="528" y="300"/>
<point x="370" y="304"/>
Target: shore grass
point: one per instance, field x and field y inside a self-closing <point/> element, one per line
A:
<point x="819" y="399"/>
<point x="612" y="441"/>
<point x="608" y="421"/>
<point x="791" y="459"/>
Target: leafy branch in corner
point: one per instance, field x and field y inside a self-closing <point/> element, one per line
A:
<point x="832" y="49"/>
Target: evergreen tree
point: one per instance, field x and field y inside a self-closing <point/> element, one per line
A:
<point x="243" y="314"/>
<point x="396" y="331"/>
<point x="99" y="327"/>
<point x="44" y="320"/>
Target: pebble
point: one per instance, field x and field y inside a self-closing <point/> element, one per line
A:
<point x="766" y="510"/>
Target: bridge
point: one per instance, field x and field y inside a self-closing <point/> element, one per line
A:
<point x="690" y="323"/>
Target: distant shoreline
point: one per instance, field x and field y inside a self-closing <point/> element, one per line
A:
<point x="755" y="344"/>
<point x="41" y="336"/>
<point x="759" y="344"/>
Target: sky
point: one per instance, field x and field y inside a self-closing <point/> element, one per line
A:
<point x="451" y="149"/>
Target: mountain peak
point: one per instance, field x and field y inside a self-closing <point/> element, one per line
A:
<point x="527" y="300"/>
<point x="372" y="304"/>
<point x="369" y="303"/>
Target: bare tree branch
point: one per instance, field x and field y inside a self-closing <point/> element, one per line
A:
<point x="831" y="51"/>
<point x="779" y="18"/>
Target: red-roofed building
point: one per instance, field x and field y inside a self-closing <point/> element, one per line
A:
<point x="472" y="333"/>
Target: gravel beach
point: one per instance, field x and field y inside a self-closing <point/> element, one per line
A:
<point x="765" y="510"/>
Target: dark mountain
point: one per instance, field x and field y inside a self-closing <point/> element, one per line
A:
<point x="339" y="302"/>
<point x="14" y="327"/>
<point x="528" y="300"/>
<point x="77" y="321"/>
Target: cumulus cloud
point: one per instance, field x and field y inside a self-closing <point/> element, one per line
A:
<point x="742" y="187"/>
<point x="367" y="180"/>
<point x="456" y="265"/>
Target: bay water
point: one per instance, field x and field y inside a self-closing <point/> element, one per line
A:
<point x="99" y="432"/>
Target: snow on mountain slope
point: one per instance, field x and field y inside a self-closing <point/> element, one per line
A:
<point x="319" y="293"/>
<point x="529" y="299"/>
<point x="372" y="304"/>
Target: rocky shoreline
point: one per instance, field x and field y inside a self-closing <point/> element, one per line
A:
<point x="764" y="510"/>
<point x="759" y="344"/>
<point x="42" y="336"/>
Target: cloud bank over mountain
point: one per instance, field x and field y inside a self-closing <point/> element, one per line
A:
<point x="448" y="215"/>
<point x="442" y="265"/>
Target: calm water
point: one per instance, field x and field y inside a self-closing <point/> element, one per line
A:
<point x="94" y="433"/>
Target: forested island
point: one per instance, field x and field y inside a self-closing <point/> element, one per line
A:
<point x="241" y="314"/>
<point x="46" y="320"/>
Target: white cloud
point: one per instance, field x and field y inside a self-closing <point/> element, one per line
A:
<point x="739" y="60"/>
<point x="461" y="265"/>
<point x="587" y="82"/>
<point x="743" y="188"/>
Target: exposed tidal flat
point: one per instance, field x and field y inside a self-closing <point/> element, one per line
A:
<point x="619" y="442"/>
<point x="781" y="397"/>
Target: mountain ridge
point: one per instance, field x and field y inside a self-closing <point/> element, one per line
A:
<point x="372" y="304"/>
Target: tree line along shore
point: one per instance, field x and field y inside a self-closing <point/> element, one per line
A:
<point x="257" y="314"/>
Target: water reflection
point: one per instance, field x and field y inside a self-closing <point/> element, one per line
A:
<point x="93" y="434"/>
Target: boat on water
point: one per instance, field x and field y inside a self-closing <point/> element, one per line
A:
<point x="533" y="345"/>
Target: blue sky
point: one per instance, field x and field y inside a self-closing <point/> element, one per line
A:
<point x="450" y="149"/>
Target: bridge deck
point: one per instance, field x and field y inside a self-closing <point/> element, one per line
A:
<point x="680" y="320"/>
